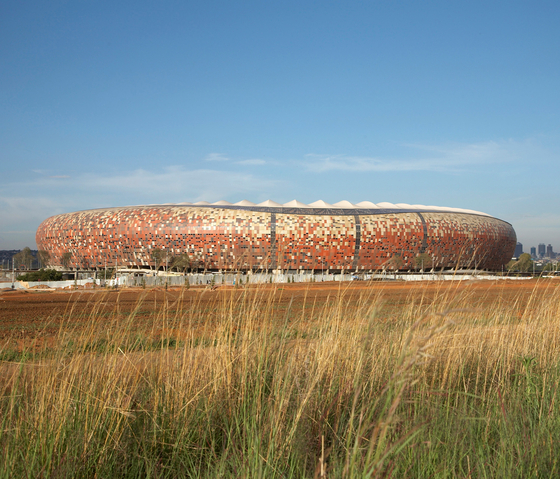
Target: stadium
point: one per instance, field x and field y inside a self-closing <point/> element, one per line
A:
<point x="340" y="237"/>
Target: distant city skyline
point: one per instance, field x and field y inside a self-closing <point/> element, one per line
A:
<point x="113" y="104"/>
<point x="540" y="251"/>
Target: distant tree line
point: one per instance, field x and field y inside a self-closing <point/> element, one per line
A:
<point x="25" y="258"/>
<point x="41" y="275"/>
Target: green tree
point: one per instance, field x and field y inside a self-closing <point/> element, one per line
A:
<point x="423" y="261"/>
<point x="157" y="255"/>
<point x="395" y="263"/>
<point x="524" y="263"/>
<point x="180" y="262"/>
<point x="196" y="265"/>
<point x="24" y="258"/>
<point x="41" y="275"/>
<point x="106" y="274"/>
<point x="65" y="259"/>
<point x="551" y="267"/>
<point x="44" y="257"/>
<point x="84" y="261"/>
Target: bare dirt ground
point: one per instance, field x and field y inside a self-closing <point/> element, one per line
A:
<point x="35" y="317"/>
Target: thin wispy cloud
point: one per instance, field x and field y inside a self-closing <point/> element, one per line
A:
<point x="252" y="162"/>
<point x="440" y="158"/>
<point x="216" y="157"/>
<point x="49" y="174"/>
<point x="17" y="209"/>
<point x="172" y="184"/>
<point x="175" y="182"/>
<point x="28" y="200"/>
<point x="168" y="184"/>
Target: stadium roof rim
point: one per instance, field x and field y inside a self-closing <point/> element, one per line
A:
<point x="341" y="207"/>
<point x="316" y="208"/>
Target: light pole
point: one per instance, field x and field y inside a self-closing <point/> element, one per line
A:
<point x="475" y="264"/>
<point x="166" y="272"/>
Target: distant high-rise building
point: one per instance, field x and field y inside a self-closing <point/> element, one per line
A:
<point x="533" y="252"/>
<point x="542" y="250"/>
<point x="549" y="252"/>
<point x="518" y="250"/>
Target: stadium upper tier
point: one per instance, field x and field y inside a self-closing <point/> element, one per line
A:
<point x="291" y="236"/>
<point x="321" y="205"/>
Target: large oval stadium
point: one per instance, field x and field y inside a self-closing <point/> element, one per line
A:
<point x="268" y="236"/>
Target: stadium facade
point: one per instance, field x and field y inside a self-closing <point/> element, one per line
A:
<point x="295" y="236"/>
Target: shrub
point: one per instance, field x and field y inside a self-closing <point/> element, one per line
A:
<point x="41" y="275"/>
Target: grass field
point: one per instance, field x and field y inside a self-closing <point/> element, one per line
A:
<point x="440" y="380"/>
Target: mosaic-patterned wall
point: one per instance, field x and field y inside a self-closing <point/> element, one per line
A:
<point x="222" y="238"/>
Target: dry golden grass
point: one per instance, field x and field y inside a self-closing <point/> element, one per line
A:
<point x="332" y="391"/>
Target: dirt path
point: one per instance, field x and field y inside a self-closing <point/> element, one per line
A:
<point x="28" y="316"/>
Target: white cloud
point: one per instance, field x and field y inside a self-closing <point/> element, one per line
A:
<point x="448" y="157"/>
<point x="175" y="183"/>
<point x="216" y="157"/>
<point x="17" y="210"/>
<point x="170" y="184"/>
<point x="25" y="203"/>
<point x="45" y="196"/>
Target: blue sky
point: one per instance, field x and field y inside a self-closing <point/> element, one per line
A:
<point x="436" y="103"/>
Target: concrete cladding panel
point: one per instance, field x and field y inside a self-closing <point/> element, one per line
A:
<point x="270" y="238"/>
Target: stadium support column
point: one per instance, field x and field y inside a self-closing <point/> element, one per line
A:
<point x="273" y="248"/>
<point x="424" y="245"/>
<point x="358" y="226"/>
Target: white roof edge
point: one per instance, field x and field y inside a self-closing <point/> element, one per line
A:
<point x="270" y="203"/>
<point x="320" y="204"/>
<point x="367" y="204"/>
<point x="296" y="204"/>
<point x="344" y="204"/>
<point x="323" y="204"/>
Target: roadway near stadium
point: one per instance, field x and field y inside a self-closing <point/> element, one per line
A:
<point x="269" y="236"/>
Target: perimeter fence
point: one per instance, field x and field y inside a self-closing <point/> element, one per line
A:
<point x="239" y="279"/>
